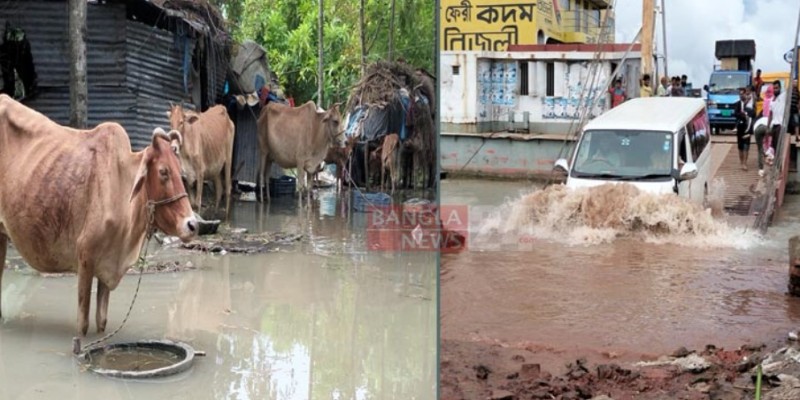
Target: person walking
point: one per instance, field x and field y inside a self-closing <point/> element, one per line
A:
<point x="760" y="132"/>
<point x="743" y="110"/>
<point x="794" y="116"/>
<point x="777" y="110"/>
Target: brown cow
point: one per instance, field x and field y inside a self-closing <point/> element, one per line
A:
<point x="207" y="150"/>
<point x="80" y="200"/>
<point x="296" y="137"/>
<point x="389" y="157"/>
<point x="340" y="156"/>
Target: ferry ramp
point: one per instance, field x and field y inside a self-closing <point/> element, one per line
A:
<point x="744" y="196"/>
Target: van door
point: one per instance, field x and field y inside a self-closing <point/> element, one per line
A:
<point x="699" y="129"/>
<point x="684" y="148"/>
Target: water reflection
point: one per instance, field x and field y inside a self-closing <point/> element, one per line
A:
<point x="325" y="319"/>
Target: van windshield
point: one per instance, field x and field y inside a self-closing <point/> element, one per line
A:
<point x="624" y="155"/>
<point x="722" y="82"/>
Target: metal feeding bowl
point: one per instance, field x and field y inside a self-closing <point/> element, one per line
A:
<point x="140" y="360"/>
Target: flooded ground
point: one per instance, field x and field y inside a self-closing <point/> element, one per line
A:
<point x="564" y="290"/>
<point x="321" y="318"/>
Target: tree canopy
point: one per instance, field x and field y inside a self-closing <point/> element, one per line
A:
<point x="287" y="29"/>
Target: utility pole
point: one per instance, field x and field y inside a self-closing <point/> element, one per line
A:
<point x="321" y="58"/>
<point x="664" y="34"/>
<point x="647" y="36"/>
<point x="78" y="89"/>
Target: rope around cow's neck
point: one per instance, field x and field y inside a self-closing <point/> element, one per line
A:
<point x="140" y="262"/>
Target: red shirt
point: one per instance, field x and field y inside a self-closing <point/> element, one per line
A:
<point x="617" y="96"/>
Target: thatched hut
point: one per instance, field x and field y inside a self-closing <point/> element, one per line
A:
<point x="393" y="97"/>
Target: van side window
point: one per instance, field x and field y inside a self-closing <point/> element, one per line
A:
<point x="690" y="132"/>
<point x="699" y="129"/>
<point x="682" y="147"/>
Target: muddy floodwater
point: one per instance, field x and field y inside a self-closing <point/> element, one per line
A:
<point x="321" y="318"/>
<point x="661" y="276"/>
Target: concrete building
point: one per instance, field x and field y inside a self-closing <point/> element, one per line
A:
<point x="515" y="77"/>
<point x="533" y="88"/>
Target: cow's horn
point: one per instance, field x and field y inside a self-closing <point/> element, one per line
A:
<point x="175" y="135"/>
<point x="159" y="132"/>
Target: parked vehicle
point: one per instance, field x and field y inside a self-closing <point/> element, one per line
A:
<point x="735" y="72"/>
<point x="658" y="144"/>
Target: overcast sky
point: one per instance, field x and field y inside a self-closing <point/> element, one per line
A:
<point x="694" y="25"/>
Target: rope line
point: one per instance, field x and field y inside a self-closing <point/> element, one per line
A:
<point x="140" y="262"/>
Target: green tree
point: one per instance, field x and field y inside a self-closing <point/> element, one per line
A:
<point x="288" y="31"/>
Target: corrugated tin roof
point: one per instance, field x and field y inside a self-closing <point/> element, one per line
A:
<point x="134" y="70"/>
<point x="245" y="145"/>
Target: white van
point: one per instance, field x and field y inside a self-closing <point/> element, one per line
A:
<point x="658" y="144"/>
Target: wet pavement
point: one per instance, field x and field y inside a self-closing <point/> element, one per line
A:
<point x="322" y="318"/>
<point x="558" y="289"/>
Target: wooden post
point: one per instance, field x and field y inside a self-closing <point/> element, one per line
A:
<point x="794" y="265"/>
<point x="648" y="19"/>
<point x="664" y="33"/>
<point x="78" y="89"/>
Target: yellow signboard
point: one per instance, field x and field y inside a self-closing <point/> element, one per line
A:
<point x="493" y="25"/>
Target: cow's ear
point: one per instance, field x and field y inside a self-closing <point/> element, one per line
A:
<point x="191" y="119"/>
<point x="141" y="174"/>
<point x="176" y="147"/>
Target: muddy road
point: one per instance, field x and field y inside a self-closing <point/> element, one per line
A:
<point x="317" y="317"/>
<point x="550" y="286"/>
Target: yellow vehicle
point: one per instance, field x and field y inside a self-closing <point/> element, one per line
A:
<point x="768" y="78"/>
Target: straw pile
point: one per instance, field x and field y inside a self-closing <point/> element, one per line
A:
<point x="379" y="85"/>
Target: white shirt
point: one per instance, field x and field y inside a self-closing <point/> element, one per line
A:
<point x="776" y="109"/>
<point x="760" y="122"/>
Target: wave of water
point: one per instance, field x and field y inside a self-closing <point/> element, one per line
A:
<point x="605" y="213"/>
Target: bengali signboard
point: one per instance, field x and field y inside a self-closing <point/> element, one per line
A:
<point x="485" y="25"/>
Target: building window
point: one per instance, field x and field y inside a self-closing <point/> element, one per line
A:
<point x="551" y="79"/>
<point x="523" y="78"/>
<point x="456" y="69"/>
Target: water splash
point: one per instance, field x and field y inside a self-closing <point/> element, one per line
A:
<point x="605" y="213"/>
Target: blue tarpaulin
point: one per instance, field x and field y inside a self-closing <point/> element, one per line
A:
<point x="354" y="121"/>
<point x="377" y="122"/>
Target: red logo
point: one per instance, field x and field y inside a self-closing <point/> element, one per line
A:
<point x="404" y="228"/>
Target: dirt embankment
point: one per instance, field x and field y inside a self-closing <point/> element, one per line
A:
<point x="476" y="370"/>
